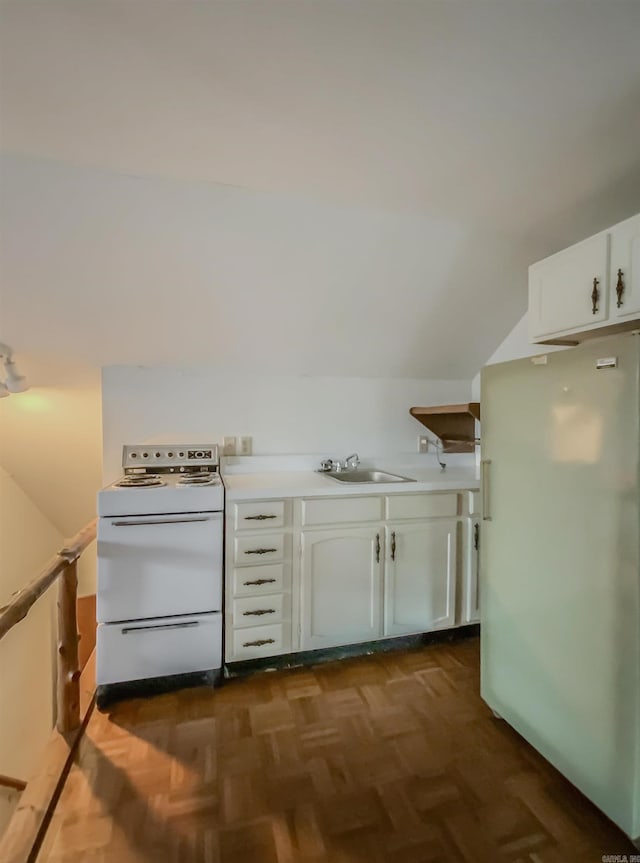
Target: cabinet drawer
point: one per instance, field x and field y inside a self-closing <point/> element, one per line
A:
<point x="259" y="549"/>
<point x="250" y="610"/>
<point x="256" y="514"/>
<point x="421" y="506"/>
<point x="265" y="579"/>
<point x="328" y="510"/>
<point x="158" y="647"/>
<point x="259" y="641"/>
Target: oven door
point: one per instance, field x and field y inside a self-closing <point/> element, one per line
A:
<point x="159" y="565"/>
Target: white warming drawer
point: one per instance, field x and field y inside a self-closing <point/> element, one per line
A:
<point x="139" y="649"/>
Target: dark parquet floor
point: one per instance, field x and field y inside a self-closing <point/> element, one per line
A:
<point x="389" y="757"/>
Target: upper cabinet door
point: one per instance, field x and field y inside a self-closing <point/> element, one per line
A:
<point x="561" y="290"/>
<point x="625" y="270"/>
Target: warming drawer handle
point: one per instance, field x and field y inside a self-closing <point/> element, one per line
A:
<point x="160" y="521"/>
<point x="259" y="611"/>
<point x="258" y="517"/>
<point x="185" y="625"/>
<point x="486" y="498"/>
<point x="260" y="550"/>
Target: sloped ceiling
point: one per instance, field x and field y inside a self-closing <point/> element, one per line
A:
<point x="333" y="187"/>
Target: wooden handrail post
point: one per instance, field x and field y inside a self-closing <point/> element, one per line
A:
<point x="68" y="666"/>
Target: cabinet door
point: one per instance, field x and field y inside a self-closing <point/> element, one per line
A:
<point x="420" y="577"/>
<point x="341" y="586"/>
<point x="625" y="270"/>
<point x="471" y="591"/>
<point x="560" y="289"/>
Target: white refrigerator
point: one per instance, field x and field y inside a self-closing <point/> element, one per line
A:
<point x="560" y="563"/>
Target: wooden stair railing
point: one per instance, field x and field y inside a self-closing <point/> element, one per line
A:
<point x="62" y="565"/>
<point x="12" y="782"/>
<point x="23" y="836"/>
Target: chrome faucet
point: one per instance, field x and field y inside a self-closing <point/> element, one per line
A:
<point x="352" y="461"/>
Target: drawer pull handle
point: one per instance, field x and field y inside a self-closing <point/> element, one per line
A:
<point x="127" y="629"/>
<point x="595" y="296"/>
<point x="259" y="643"/>
<point x="620" y="288"/>
<point x="393" y="545"/>
<point x="259" y="611"/>
<point x="377" y="548"/>
<point x="260" y="550"/>
<point x="260" y="581"/>
<point x="258" y="517"/>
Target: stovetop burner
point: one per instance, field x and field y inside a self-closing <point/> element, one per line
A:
<point x="197" y="479"/>
<point x="140" y="481"/>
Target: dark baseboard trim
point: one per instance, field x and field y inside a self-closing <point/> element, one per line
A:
<point x="109" y="693"/>
<point x="330" y="654"/>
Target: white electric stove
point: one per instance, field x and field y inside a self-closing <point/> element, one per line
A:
<point x="160" y="539"/>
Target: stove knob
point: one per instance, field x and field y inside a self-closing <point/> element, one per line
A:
<point x="134" y="455"/>
<point x="169" y="455"/>
<point x="145" y="455"/>
<point x="158" y="454"/>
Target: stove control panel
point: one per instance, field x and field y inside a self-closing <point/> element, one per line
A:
<point x="149" y="456"/>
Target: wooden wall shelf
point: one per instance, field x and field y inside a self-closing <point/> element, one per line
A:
<point x="455" y="425"/>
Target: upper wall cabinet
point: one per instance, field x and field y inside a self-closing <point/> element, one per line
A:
<point x="625" y="270"/>
<point x="595" y="284"/>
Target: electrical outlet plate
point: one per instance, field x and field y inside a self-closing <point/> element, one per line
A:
<point x="228" y="446"/>
<point x="243" y="445"/>
<point x="423" y="443"/>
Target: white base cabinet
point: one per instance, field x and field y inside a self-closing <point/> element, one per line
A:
<point x="470" y="612"/>
<point x="420" y="577"/>
<point x="348" y="569"/>
<point x="340" y="586"/>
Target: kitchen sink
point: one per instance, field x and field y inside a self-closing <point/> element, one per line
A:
<point x="368" y="476"/>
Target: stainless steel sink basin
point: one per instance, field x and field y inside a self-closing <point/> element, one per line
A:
<point x="368" y="476"/>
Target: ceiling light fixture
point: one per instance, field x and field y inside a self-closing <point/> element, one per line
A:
<point x="13" y="381"/>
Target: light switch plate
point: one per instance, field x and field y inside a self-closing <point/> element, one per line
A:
<point x="423" y="443"/>
<point x="228" y="446"/>
<point x="243" y="445"/>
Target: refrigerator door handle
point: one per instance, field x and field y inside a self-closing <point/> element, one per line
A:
<point x="486" y="499"/>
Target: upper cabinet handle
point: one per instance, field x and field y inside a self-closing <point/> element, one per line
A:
<point x="393" y="545"/>
<point x="377" y="548"/>
<point x="620" y="288"/>
<point x="595" y="296"/>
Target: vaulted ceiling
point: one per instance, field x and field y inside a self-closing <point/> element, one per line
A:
<point x="338" y="187"/>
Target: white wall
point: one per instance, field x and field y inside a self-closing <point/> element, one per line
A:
<point x="514" y="347"/>
<point x="50" y="442"/>
<point x="283" y="414"/>
<point x="125" y="269"/>
<point x="27" y="541"/>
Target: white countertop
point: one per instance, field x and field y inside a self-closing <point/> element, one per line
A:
<point x="308" y="483"/>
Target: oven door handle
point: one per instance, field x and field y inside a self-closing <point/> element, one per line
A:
<point x="161" y="521"/>
<point x="187" y="624"/>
